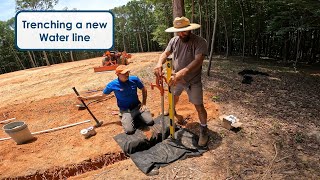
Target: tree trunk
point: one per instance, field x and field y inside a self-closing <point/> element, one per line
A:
<point x="148" y="45"/>
<point x="243" y="29"/>
<point x="52" y="58"/>
<point x="46" y="58"/>
<point x="137" y="43"/>
<point x="207" y="22"/>
<point x="230" y="39"/>
<point x="298" y="50"/>
<point x="141" y="45"/>
<point x="129" y="43"/>
<point x="192" y="10"/>
<point x="178" y="8"/>
<point x="258" y="41"/>
<point x="226" y="36"/>
<point x="286" y="47"/>
<point x="213" y="34"/>
<point x="34" y="59"/>
<point x="1" y="72"/>
<point x="61" y="57"/>
<point x="31" y="60"/>
<point x="123" y="41"/>
<point x="17" y="58"/>
<point x="146" y="28"/>
<point x="313" y="35"/>
<point x="200" y="18"/>
<point x="71" y="56"/>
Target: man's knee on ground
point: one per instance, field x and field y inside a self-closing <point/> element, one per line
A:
<point x="150" y="123"/>
<point x="129" y="129"/>
<point x="129" y="132"/>
<point x="146" y="117"/>
<point x="147" y="120"/>
<point x="127" y="123"/>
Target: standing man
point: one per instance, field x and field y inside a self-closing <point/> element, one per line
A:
<point x="188" y="51"/>
<point x="125" y="90"/>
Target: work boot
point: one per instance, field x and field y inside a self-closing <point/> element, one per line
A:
<point x="204" y="137"/>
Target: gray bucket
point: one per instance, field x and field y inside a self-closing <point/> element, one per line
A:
<point x="18" y="131"/>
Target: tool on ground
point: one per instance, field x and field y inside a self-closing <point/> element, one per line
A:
<point x="159" y="85"/>
<point x="171" y="98"/>
<point x="88" y="132"/>
<point x="98" y="123"/>
<point x="80" y="107"/>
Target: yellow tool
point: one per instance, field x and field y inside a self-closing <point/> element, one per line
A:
<point x="171" y="98"/>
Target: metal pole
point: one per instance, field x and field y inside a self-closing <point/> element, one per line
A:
<point x="159" y="85"/>
<point x="95" y="119"/>
<point x="162" y="120"/>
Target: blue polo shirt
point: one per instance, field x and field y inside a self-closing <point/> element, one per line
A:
<point x="126" y="92"/>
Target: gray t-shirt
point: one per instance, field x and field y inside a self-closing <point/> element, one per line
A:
<point x="185" y="52"/>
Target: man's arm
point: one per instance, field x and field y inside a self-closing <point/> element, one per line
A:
<point x="193" y="66"/>
<point x="162" y="60"/>
<point x="93" y="97"/>
<point x="144" y="100"/>
<point x="144" y="96"/>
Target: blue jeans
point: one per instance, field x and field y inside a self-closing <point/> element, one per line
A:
<point x="128" y="117"/>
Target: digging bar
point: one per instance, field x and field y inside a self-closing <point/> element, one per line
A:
<point x="98" y="123"/>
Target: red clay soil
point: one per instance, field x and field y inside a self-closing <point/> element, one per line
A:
<point x="43" y="98"/>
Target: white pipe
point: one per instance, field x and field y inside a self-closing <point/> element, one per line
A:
<point x="53" y="129"/>
<point x="61" y="127"/>
<point x="2" y="139"/>
<point x="7" y="120"/>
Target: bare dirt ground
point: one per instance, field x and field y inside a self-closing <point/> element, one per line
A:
<point x="279" y="139"/>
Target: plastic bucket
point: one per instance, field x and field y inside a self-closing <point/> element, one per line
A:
<point x="18" y="131"/>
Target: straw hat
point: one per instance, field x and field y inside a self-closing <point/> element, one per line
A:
<point x="182" y="24"/>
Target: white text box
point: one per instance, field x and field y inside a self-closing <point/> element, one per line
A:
<point x="64" y="30"/>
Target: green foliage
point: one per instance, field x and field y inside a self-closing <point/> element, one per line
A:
<point x="160" y="36"/>
<point x="138" y="25"/>
<point x="35" y="4"/>
<point x="7" y="61"/>
<point x="289" y="16"/>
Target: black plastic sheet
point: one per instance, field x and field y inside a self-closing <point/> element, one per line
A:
<point x="150" y="154"/>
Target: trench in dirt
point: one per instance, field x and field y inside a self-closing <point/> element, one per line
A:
<point x="76" y="169"/>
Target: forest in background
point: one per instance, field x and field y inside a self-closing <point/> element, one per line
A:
<point x="285" y="30"/>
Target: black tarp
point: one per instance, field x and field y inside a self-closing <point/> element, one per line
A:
<point x="139" y="141"/>
<point x="151" y="154"/>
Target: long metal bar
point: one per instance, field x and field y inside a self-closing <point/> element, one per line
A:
<point x="98" y="124"/>
<point x="159" y="85"/>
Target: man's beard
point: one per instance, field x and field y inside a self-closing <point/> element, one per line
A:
<point x="185" y="39"/>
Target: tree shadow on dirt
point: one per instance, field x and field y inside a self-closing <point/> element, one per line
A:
<point x="278" y="110"/>
<point x="289" y="96"/>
